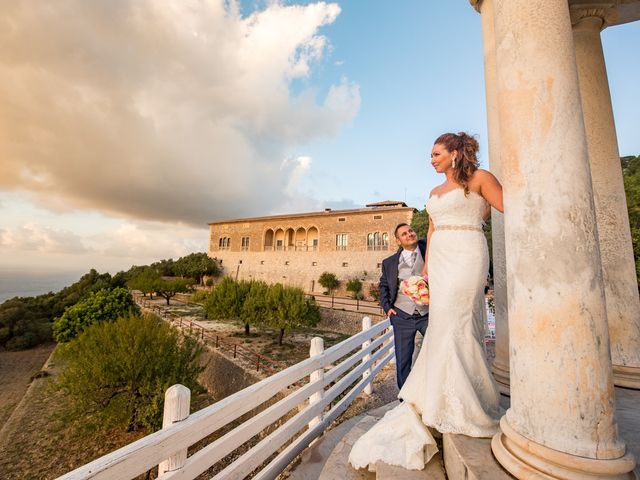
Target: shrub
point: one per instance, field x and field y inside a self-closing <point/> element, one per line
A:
<point x="120" y="370"/>
<point x="329" y="281"/>
<point x="104" y="305"/>
<point x="199" y="296"/>
<point x="354" y="286"/>
<point x="374" y="291"/>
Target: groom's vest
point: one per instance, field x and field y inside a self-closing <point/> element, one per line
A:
<point x="403" y="302"/>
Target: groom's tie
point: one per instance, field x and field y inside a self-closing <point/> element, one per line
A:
<point x="414" y="256"/>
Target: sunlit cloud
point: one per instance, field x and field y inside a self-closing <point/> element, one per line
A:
<point x="40" y="238"/>
<point x="176" y="111"/>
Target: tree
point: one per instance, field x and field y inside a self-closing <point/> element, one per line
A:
<point x="165" y="268"/>
<point x="329" y="281"/>
<point x="631" y="177"/>
<point x="227" y="299"/>
<point x="27" y="321"/>
<point x="289" y="308"/>
<point x="255" y="308"/>
<point x="120" y="370"/>
<point x="145" y="279"/>
<point x="354" y="286"/>
<point x="168" y="287"/>
<point x="221" y="303"/>
<point x="103" y="306"/>
<point x="420" y="223"/>
<point x="196" y="265"/>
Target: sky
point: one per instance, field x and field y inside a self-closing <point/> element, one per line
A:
<point x="128" y="125"/>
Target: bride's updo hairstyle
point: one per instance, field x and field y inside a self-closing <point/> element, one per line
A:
<point x="467" y="161"/>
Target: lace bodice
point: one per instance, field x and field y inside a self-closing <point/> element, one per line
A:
<point x="454" y="208"/>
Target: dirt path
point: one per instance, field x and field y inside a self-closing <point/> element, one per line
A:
<point x="16" y="371"/>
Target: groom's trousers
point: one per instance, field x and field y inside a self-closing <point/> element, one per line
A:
<point x="405" y="327"/>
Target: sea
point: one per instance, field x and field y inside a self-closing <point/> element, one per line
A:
<point x="16" y="283"/>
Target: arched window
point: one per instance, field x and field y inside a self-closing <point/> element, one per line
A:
<point x="268" y="240"/>
<point x="313" y="239"/>
<point x="279" y="239"/>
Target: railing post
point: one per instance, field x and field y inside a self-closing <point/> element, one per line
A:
<point x="176" y="408"/>
<point x="366" y="325"/>
<point x="317" y="348"/>
<point x="392" y="360"/>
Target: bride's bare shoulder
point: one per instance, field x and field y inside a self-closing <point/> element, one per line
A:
<point x="481" y="177"/>
<point x="437" y="190"/>
<point x="482" y="174"/>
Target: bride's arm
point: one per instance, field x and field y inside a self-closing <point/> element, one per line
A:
<point x="491" y="190"/>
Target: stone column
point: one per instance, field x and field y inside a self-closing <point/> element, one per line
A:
<point x="500" y="365"/>
<point x="616" y="249"/>
<point x="561" y="421"/>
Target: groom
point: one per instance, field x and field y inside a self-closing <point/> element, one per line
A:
<point x="406" y="316"/>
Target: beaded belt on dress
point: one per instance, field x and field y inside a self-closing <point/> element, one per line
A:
<point x="473" y="228"/>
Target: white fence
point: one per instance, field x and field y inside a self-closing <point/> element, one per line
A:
<point x="316" y="404"/>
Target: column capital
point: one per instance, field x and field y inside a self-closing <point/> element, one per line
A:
<point x="476" y="4"/>
<point x="601" y="10"/>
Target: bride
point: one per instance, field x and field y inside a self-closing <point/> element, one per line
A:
<point x="450" y="387"/>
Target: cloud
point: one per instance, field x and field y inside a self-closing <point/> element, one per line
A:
<point x="176" y="111"/>
<point x="295" y="167"/>
<point x="31" y="237"/>
<point x="130" y="243"/>
<point x="139" y="241"/>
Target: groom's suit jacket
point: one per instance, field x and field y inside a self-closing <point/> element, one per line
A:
<point x="389" y="277"/>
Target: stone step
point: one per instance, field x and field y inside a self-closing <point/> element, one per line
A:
<point x="434" y="470"/>
<point x="471" y="459"/>
<point x="337" y="465"/>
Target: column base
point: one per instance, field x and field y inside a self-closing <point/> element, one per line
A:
<point x="526" y="459"/>
<point x="501" y="375"/>
<point x="628" y="377"/>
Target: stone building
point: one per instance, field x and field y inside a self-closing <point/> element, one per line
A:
<point x="295" y="249"/>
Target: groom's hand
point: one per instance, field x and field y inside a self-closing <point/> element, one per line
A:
<point x="391" y="312"/>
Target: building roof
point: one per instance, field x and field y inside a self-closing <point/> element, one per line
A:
<point x="387" y="203"/>
<point x="379" y="206"/>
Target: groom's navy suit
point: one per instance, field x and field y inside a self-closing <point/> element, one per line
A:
<point x="405" y="324"/>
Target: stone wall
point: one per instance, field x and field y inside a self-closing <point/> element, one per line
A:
<point x="223" y="377"/>
<point x="342" y="321"/>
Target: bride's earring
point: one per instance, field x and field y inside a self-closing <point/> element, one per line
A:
<point x="453" y="163"/>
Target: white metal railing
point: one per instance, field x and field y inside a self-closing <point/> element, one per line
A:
<point x="360" y="358"/>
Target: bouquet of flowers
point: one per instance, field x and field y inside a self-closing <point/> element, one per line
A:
<point x="416" y="288"/>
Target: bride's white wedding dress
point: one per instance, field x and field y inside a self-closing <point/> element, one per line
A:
<point x="450" y="387"/>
